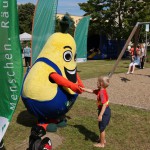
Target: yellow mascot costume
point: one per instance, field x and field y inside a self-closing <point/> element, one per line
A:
<point x="52" y="85"/>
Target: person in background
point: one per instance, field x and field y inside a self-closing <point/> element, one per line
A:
<point x="136" y="62"/>
<point x="104" y="112"/>
<point x="131" y="51"/>
<point x="27" y="55"/>
<point x="143" y="55"/>
<point x="128" y="48"/>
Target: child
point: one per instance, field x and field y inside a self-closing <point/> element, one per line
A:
<point x="136" y="62"/>
<point x="104" y="111"/>
<point x="143" y="55"/>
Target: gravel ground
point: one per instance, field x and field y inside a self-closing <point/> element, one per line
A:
<point x="131" y="90"/>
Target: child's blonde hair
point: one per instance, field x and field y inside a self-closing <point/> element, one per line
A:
<point x="104" y="80"/>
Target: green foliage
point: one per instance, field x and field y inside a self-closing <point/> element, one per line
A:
<point x="57" y="26"/>
<point x="26" y="12"/>
<point x="114" y="18"/>
<point x="26" y="15"/>
<point x="148" y="54"/>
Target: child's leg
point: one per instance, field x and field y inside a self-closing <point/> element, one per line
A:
<point x="133" y="68"/>
<point x="102" y="140"/>
<point x="102" y="137"/>
<point x="129" y="69"/>
<point x="99" y="140"/>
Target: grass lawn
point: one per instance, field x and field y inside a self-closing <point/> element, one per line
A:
<point x="94" y="68"/>
<point x="128" y="130"/>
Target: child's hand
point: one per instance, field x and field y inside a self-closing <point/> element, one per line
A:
<point x="95" y="91"/>
<point x="99" y="118"/>
<point x="86" y="90"/>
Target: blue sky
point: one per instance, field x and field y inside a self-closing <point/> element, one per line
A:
<point x="70" y="6"/>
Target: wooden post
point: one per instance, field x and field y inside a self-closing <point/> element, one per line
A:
<point x="136" y="37"/>
<point x="123" y="50"/>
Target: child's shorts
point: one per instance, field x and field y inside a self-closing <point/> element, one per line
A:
<point x="105" y="119"/>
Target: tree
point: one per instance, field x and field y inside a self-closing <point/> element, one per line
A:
<point x="26" y="12"/>
<point x="26" y="15"/>
<point x="57" y="27"/>
<point x="116" y="18"/>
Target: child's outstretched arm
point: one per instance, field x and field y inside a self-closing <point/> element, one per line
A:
<point x="87" y="90"/>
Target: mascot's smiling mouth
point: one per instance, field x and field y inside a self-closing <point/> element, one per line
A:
<point x="71" y="74"/>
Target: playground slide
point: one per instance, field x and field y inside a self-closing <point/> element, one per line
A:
<point x="92" y="55"/>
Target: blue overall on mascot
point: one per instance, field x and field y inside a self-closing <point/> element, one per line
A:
<point x="52" y="84"/>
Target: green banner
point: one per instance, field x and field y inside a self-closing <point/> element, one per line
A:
<point x="43" y="26"/>
<point x="81" y="39"/>
<point x="11" y="72"/>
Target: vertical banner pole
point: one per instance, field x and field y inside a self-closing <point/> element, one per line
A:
<point x="11" y="67"/>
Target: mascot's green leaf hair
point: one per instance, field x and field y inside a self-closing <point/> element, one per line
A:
<point x="65" y="24"/>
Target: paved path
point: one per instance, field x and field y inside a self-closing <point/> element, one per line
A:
<point x="132" y="90"/>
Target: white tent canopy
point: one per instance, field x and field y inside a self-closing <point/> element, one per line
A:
<point x="25" y="37"/>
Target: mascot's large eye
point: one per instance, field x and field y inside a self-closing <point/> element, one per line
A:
<point x="67" y="56"/>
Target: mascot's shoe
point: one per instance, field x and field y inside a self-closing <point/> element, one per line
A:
<point x="51" y="127"/>
<point x="54" y="124"/>
<point x="62" y="123"/>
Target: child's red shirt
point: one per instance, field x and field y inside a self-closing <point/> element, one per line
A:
<point x="102" y="98"/>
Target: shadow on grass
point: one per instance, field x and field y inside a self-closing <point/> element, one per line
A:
<point x="26" y="119"/>
<point x="89" y="135"/>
